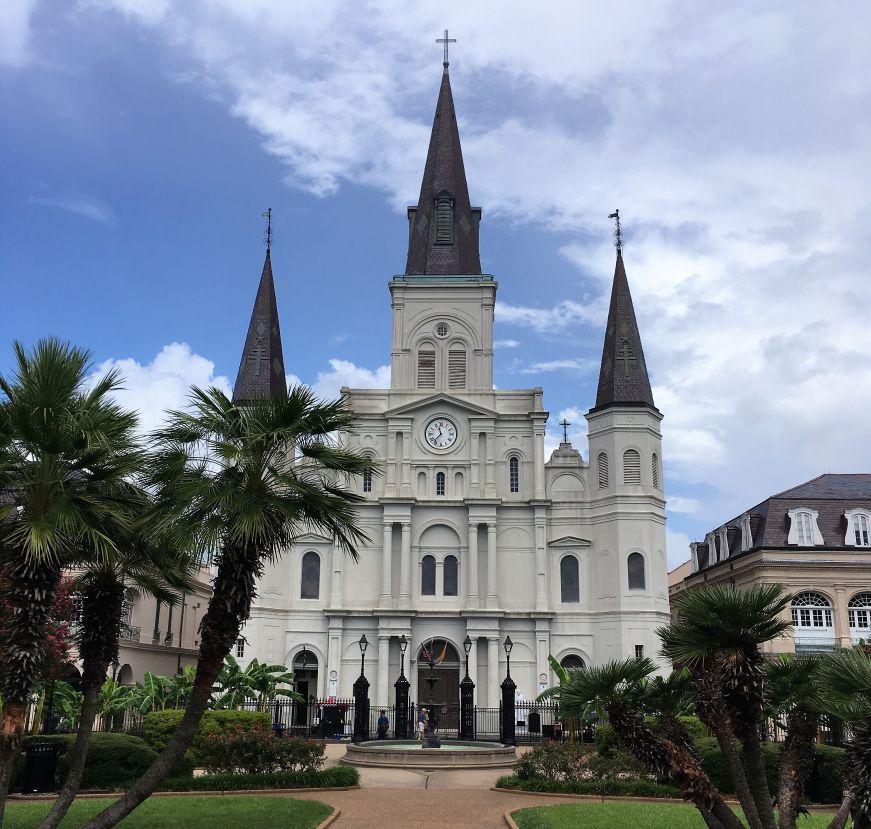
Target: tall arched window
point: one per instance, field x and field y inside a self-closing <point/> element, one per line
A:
<point x="631" y="467"/>
<point x="427" y="576"/>
<point x="426" y="367"/>
<point x="367" y="480"/>
<point x="514" y="473"/>
<point x="655" y="470"/>
<point x="569" y="579"/>
<point x="572" y="662"/>
<point x="310" y="584"/>
<point x="859" y="611"/>
<point x="811" y="611"/>
<point x="440" y="483"/>
<point x="457" y="367"/>
<point x="635" y="564"/>
<point x="603" y="470"/>
<point x="451" y="575"/>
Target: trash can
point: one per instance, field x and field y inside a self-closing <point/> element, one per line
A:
<point x="40" y="766"/>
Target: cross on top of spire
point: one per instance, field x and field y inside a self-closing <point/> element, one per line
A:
<point x="446" y="40"/>
<point x="618" y="231"/>
<point x="565" y="424"/>
<point x="267" y="235"/>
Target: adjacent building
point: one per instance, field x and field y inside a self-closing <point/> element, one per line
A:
<point x="816" y="540"/>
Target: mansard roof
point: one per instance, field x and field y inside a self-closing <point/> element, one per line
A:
<point x="444" y="176"/>
<point x="261" y="370"/>
<point x="623" y="378"/>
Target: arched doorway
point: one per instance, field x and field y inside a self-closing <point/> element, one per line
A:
<point x="444" y="670"/>
<point x="305" y="674"/>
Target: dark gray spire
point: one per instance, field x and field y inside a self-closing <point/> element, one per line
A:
<point x="443" y="228"/>
<point x="623" y="379"/>
<point x="261" y="372"/>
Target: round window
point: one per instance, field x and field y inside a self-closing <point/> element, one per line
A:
<point x="441" y="330"/>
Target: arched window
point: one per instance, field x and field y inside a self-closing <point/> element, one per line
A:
<point x="367" y="480"/>
<point x="803" y="529"/>
<point x="451" y="575"/>
<point x="603" y="470"/>
<point x="440" y="483"/>
<point x="811" y="610"/>
<point x="569" y="579"/>
<point x="858" y="528"/>
<point x="426" y="367"/>
<point x="572" y="662"/>
<point x="635" y="564"/>
<point x="457" y="367"/>
<point x="427" y="576"/>
<point x="859" y="611"/>
<point x="655" y="469"/>
<point x="514" y="473"/>
<point x="311" y="576"/>
<point x="631" y="467"/>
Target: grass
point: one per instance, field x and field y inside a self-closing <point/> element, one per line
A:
<point x="208" y="812"/>
<point x="648" y="815"/>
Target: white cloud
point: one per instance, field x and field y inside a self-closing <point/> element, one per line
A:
<point x="543" y="320"/>
<point x="677" y="503"/>
<point x="79" y="203"/>
<point x="345" y="373"/>
<point x="677" y="546"/>
<point x="15" y="31"/>
<point x="506" y="343"/>
<point x="559" y="365"/>
<point x="162" y="384"/>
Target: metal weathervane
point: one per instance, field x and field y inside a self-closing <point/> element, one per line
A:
<point x="446" y="40"/>
<point x="267" y="237"/>
<point x="618" y="231"/>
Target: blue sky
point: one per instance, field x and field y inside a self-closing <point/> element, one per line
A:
<point x="141" y="141"/>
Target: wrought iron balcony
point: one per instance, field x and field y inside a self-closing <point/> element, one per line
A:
<point x="130" y="633"/>
<point x="810" y="645"/>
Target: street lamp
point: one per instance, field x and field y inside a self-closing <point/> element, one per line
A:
<point x="467" y="647"/>
<point x="467" y="699"/>
<point x="364" y="643"/>
<point x="400" y="724"/>
<point x="508" y="690"/>
<point x="508" y="645"/>
<point x="403" y="644"/>
<point x="361" y="697"/>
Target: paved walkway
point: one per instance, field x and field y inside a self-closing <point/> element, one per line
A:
<point x="391" y="798"/>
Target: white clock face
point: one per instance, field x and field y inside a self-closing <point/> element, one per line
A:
<point x="441" y="433"/>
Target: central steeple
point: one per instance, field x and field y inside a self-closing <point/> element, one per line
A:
<point x="443" y="228"/>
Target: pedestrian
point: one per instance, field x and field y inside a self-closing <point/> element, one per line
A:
<point x="421" y="724"/>
<point x="383" y="726"/>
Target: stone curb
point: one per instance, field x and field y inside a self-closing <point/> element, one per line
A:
<point x="330" y="819"/>
<point x="35" y="798"/>
<point x="509" y="821"/>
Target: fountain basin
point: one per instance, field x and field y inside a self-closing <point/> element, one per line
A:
<point x="453" y="754"/>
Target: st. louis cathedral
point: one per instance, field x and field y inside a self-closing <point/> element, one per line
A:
<point x="472" y="530"/>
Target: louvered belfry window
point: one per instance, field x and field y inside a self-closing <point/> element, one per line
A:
<point x="457" y="368"/>
<point x="603" y="471"/>
<point x="444" y="224"/>
<point x="426" y="360"/>
<point x="631" y="467"/>
<point x="655" y="465"/>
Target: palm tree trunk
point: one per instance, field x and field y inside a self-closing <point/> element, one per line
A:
<point x="839" y="821"/>
<point x="6" y="779"/>
<point x="32" y="589"/>
<point x="757" y="780"/>
<point x="796" y="764"/>
<point x="229" y="607"/>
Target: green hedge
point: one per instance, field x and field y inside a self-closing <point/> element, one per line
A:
<point x="825" y="783"/>
<point x="159" y="726"/>
<point x="613" y="788"/>
<point x="114" y="760"/>
<point x="322" y="779"/>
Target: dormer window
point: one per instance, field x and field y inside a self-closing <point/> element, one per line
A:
<point x="746" y="532"/>
<point x="803" y="529"/>
<point x="858" y="528"/>
<point x="444" y="220"/>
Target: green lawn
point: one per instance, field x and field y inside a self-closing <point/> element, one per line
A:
<point x="648" y="815"/>
<point x="213" y="812"/>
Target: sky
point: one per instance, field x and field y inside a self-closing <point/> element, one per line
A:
<point x="142" y="140"/>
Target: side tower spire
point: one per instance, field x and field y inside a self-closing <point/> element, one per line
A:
<point x="443" y="228"/>
<point x="261" y="370"/>
<point x="623" y="378"/>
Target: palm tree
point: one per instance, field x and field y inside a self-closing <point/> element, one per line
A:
<point x="845" y="681"/>
<point x="718" y="635"/>
<point x="65" y="453"/>
<point x="618" y="687"/>
<point x="244" y="481"/>
<point x="144" y="562"/>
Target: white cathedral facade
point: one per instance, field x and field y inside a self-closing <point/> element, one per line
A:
<point x="472" y="530"/>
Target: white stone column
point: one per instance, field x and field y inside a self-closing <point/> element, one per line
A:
<point x="491" y="465"/>
<point x="382" y="697"/>
<point x="405" y="567"/>
<point x="440" y="577"/>
<point x="473" y="464"/>
<point x="386" y="561"/>
<point x="540" y="560"/>
<point x="492" y="671"/>
<point x="336" y="585"/>
<point x="472" y="567"/>
<point x="492" y="568"/>
<point x="539" y="460"/>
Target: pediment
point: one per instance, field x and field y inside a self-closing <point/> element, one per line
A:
<point x="443" y="399"/>
<point x="312" y="538"/>
<point x="569" y="541"/>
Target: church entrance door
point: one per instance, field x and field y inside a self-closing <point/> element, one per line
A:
<point x="445" y="671"/>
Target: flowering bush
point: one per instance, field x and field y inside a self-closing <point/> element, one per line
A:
<point x="259" y="751"/>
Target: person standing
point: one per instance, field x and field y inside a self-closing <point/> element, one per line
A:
<point x="421" y="724"/>
<point x="383" y="726"/>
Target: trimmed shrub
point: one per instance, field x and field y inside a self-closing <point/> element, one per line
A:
<point x="606" y="739"/>
<point x="320" y="779"/>
<point x="159" y="726"/>
<point x="259" y="751"/>
<point x="694" y="726"/>
<point x="553" y="761"/>
<point x="613" y="788"/>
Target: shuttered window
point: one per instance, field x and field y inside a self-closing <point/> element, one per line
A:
<point x="444" y="222"/>
<point x="426" y="369"/>
<point x="603" y="471"/>
<point x="655" y="470"/>
<point x="631" y="467"/>
<point x="457" y="368"/>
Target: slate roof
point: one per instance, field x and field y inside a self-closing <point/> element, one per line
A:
<point x="444" y="173"/>
<point x="261" y="370"/>
<point x="623" y="379"/>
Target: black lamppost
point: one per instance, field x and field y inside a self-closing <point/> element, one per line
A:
<point x="431" y="740"/>
<point x="467" y="699"/>
<point x="361" y="697"/>
<point x="508" y="689"/>
<point x="400" y="724"/>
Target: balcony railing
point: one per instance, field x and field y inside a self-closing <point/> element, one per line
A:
<point x="130" y="633"/>
<point x="820" y="645"/>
